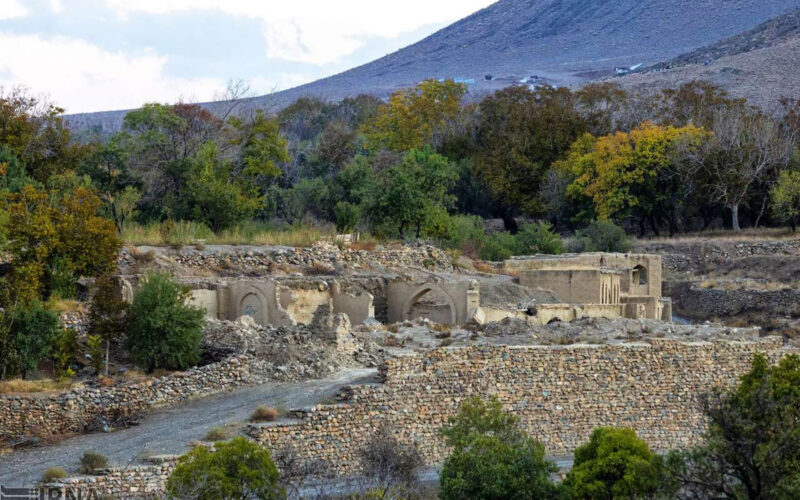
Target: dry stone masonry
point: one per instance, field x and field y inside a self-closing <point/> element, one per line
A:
<point x="560" y="393"/>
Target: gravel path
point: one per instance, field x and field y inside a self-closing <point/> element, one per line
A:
<point x="170" y="430"/>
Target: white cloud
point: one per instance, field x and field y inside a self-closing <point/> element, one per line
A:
<point x="10" y="9"/>
<point x="319" y="31"/>
<point x="83" y="77"/>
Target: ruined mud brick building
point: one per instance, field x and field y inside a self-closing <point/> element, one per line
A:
<point x="602" y="285"/>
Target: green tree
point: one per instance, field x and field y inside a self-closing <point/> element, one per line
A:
<point x="615" y="463"/>
<point x="213" y="197"/>
<point x="28" y="333"/>
<point x="519" y="135"/>
<point x="492" y="458"/>
<point x="262" y="147"/>
<point x="752" y="446"/>
<point x="419" y="183"/>
<point x="237" y="469"/>
<point x="347" y="216"/>
<point x="163" y="331"/>
<point x="786" y="198"/>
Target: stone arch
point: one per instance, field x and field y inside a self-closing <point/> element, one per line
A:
<point x="254" y="305"/>
<point x="639" y="276"/>
<point x="555" y="319"/>
<point x="420" y="292"/>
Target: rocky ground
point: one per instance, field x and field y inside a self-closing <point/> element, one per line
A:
<point x="746" y="281"/>
<point x="248" y="260"/>
<point x="421" y="334"/>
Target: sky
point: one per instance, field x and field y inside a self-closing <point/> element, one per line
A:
<point x="94" y="55"/>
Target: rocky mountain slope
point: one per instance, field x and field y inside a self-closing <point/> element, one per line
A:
<point x="561" y="41"/>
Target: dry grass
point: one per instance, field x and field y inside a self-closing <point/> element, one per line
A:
<point x="368" y="245"/>
<point x="747" y="284"/>
<point x="726" y="235"/>
<point x="52" y="473"/>
<point x="181" y="233"/>
<point x="264" y="414"/>
<point x="217" y="434"/>
<point x="64" y="305"/>
<point x="318" y="268"/>
<point x="19" y="386"/>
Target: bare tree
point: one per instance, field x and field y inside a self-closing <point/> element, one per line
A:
<point x="745" y="147"/>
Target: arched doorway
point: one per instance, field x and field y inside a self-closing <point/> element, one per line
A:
<point x="252" y="305"/>
<point x="438" y="306"/>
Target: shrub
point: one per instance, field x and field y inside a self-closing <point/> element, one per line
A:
<point x="264" y="414"/>
<point x="52" y="473"/>
<point x="615" y="463"/>
<point x="492" y="458"/>
<point x="237" y="469"/>
<point x="389" y="462"/>
<point x="27" y="336"/>
<point x="347" y="216"/>
<point x="601" y="236"/>
<point x="96" y="352"/>
<point x="499" y="246"/>
<point x="65" y="352"/>
<point x="163" y="331"/>
<point x="539" y="238"/>
<point x="217" y="434"/>
<point x="92" y="461"/>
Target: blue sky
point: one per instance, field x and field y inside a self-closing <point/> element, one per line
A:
<point x="92" y="55"/>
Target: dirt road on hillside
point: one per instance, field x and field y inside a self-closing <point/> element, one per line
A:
<point x="170" y="430"/>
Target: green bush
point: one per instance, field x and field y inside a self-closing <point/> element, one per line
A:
<point x="539" y="238"/>
<point x="499" y="246"/>
<point x="63" y="283"/>
<point x="163" y="331"/>
<point x="786" y="198"/>
<point x="492" y="458"/>
<point x="52" y="473"/>
<point x="615" y="463"/>
<point x="91" y="461"/>
<point x="237" y="469"/>
<point x="347" y="216"/>
<point x="96" y="352"/>
<point x="751" y="448"/>
<point x="65" y="352"/>
<point x="601" y="236"/>
<point x="27" y="336"/>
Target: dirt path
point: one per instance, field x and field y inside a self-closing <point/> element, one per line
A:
<point x="170" y="430"/>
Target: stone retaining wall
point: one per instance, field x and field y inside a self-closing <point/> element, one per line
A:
<point x="560" y="394"/>
<point x="695" y="302"/>
<point x="44" y="415"/>
<point x="146" y="481"/>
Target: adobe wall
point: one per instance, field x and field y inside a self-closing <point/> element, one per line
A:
<point x="462" y="299"/>
<point x="597" y="260"/>
<point x="560" y="393"/>
<point x="576" y="286"/>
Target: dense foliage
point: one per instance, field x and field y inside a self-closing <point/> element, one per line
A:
<point x="492" y="457"/>
<point x="162" y="330"/>
<point x="234" y="470"/>
<point x="752" y="447"/>
<point x="615" y="463"/>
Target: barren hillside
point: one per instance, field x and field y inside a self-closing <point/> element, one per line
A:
<point x="763" y="76"/>
<point x="563" y="41"/>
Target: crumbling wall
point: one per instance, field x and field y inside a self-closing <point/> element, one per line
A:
<point x="560" y="394"/>
<point x="462" y="298"/>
